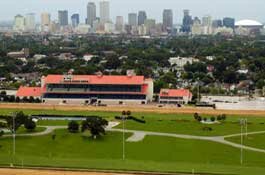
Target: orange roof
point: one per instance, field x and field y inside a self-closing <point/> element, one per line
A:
<point x="95" y="79"/>
<point x="29" y="91"/>
<point x="175" y="93"/>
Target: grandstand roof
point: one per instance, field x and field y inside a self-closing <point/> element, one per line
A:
<point x="95" y="79"/>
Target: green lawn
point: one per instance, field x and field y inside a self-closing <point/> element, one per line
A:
<point x="257" y="140"/>
<point x="191" y="127"/>
<point x="23" y="130"/>
<point x="152" y="154"/>
<point x="170" y="123"/>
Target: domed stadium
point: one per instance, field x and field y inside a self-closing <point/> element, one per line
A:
<point x="248" y="27"/>
<point x="248" y="23"/>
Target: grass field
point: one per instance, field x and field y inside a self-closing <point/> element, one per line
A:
<point x="154" y="153"/>
<point x="257" y="140"/>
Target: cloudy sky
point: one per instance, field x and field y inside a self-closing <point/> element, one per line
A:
<point x="240" y="9"/>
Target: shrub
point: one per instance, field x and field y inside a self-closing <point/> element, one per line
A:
<point x="205" y="119"/>
<point x="73" y="126"/>
<point x="199" y="119"/>
<point x="30" y="125"/>
<point x="196" y="116"/>
<point x="212" y="119"/>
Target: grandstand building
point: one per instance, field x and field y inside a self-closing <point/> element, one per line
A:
<point x="95" y="89"/>
<point x="175" y="96"/>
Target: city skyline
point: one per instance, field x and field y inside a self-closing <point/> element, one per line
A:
<point x="198" y="8"/>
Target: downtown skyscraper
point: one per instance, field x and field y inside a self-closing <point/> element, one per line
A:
<point x="104" y="10"/>
<point x="167" y="19"/>
<point x="141" y="17"/>
<point x="132" y="19"/>
<point x="63" y="17"/>
<point x="91" y="13"/>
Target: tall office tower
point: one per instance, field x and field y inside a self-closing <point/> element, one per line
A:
<point x="196" y="28"/>
<point x="141" y="17"/>
<point x="45" y="19"/>
<point x="91" y="13"/>
<point x="19" y="23"/>
<point x="207" y="20"/>
<point x="167" y="19"/>
<point x="119" y="24"/>
<point x="104" y="11"/>
<point x="30" y="22"/>
<point x="150" y="25"/>
<point x="75" y="20"/>
<point x="187" y="22"/>
<point x="217" y="23"/>
<point x="63" y="17"/>
<point x="229" y="22"/>
<point x="132" y="19"/>
<point x="207" y="25"/>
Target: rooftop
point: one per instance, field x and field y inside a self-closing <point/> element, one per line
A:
<point x="247" y="22"/>
<point x="95" y="79"/>
<point x="29" y="91"/>
<point x="175" y="93"/>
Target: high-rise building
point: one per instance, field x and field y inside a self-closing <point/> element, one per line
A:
<point x="63" y="17"/>
<point x="167" y="19"/>
<point x="187" y="22"/>
<point x="150" y="25"/>
<point x="119" y="24"/>
<point x="207" y="20"/>
<point x="19" y="23"/>
<point x="217" y="23"/>
<point x="132" y="19"/>
<point x="45" y="19"/>
<point x="207" y="25"/>
<point x="196" y="27"/>
<point x="104" y="11"/>
<point x="141" y="17"/>
<point x="229" y="22"/>
<point x="30" y="22"/>
<point x="75" y="20"/>
<point x="91" y="13"/>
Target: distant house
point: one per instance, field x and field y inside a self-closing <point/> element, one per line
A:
<point x="175" y="96"/>
<point x="88" y="57"/>
<point x="179" y="62"/>
<point x="23" y="91"/>
<point x="24" y="53"/>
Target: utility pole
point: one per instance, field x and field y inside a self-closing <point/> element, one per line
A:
<point x="241" y="150"/>
<point x="198" y="93"/>
<point x="123" y="138"/>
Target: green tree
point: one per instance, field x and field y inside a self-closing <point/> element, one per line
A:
<point x="96" y="126"/>
<point x="30" y="124"/>
<point x="73" y="126"/>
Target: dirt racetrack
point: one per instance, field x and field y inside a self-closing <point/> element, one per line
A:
<point x="48" y="172"/>
<point x="133" y="108"/>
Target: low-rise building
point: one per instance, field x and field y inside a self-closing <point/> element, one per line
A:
<point x="180" y="62"/>
<point x="175" y="96"/>
<point x="35" y="92"/>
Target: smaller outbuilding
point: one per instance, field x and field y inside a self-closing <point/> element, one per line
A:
<point x="28" y="92"/>
<point x="175" y="96"/>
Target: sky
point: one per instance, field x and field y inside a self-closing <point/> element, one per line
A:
<point x="239" y="9"/>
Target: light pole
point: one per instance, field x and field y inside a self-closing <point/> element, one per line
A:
<point x="123" y="139"/>
<point x="14" y="136"/>
<point x="243" y="122"/>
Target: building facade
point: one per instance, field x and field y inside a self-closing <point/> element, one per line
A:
<point x="141" y="17"/>
<point x="104" y="11"/>
<point x="91" y="13"/>
<point x="175" y="96"/>
<point x="132" y="19"/>
<point x="167" y="20"/>
<point x="95" y="89"/>
<point x="63" y="17"/>
<point x="75" y="20"/>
